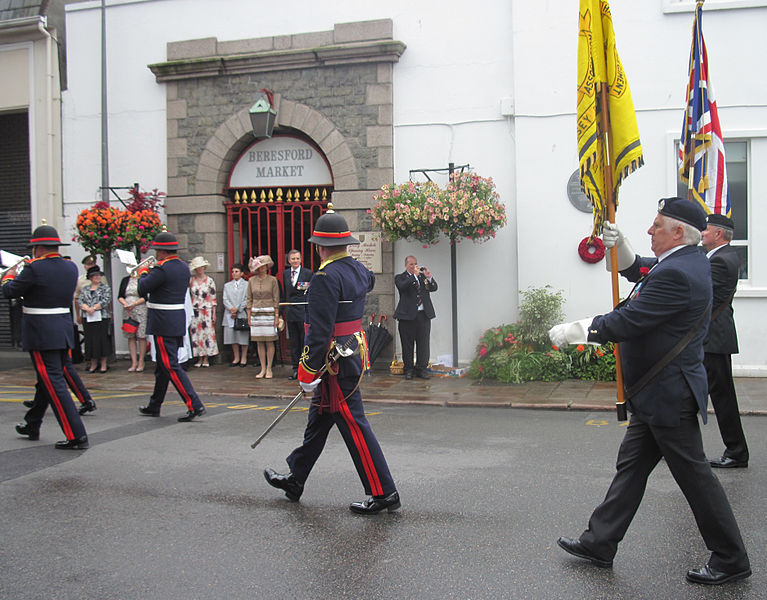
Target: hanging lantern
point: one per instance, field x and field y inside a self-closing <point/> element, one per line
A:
<point x="263" y="115"/>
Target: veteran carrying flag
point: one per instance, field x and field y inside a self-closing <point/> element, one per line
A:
<point x="701" y="149"/>
<point x="608" y="137"/>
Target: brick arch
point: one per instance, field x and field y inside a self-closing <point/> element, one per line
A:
<point x="235" y="134"/>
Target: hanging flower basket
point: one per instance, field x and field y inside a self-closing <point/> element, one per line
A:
<point x="103" y="228"/>
<point x="468" y="208"/>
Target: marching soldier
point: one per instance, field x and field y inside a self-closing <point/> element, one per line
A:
<point x="337" y="398"/>
<point x="165" y="288"/>
<point x="47" y="285"/>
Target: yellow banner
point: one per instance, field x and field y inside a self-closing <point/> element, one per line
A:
<point x="598" y="62"/>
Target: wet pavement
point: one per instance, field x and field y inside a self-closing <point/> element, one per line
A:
<point x="161" y="509"/>
<point x="379" y="387"/>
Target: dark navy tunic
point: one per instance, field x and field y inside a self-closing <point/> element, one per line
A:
<point x="47" y="285"/>
<point x="165" y="290"/>
<point x="340" y="277"/>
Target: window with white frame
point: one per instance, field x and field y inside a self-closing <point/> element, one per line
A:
<point x="736" y="161"/>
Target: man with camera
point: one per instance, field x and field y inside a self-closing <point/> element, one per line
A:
<point x="414" y="313"/>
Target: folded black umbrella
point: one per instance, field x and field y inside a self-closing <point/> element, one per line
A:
<point x="378" y="338"/>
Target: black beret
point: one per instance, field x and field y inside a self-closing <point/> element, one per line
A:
<point x="681" y="209"/>
<point x="721" y="221"/>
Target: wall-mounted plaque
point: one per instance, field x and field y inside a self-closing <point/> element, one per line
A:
<point x="574" y="192"/>
<point x="368" y="252"/>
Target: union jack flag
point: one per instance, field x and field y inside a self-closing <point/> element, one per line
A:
<point x="701" y="149"/>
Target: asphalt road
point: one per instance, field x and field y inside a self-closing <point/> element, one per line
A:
<point x="160" y="509"/>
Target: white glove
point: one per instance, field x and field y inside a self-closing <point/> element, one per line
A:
<point x="576" y="332"/>
<point x="612" y="236"/>
<point x="310" y="387"/>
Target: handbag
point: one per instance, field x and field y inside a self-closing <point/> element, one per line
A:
<point x="241" y="324"/>
<point x="130" y="325"/>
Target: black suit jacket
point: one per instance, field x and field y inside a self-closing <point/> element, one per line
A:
<point x="722" y="337"/>
<point x="291" y="294"/>
<point x="407" y="307"/>
<point x="668" y="303"/>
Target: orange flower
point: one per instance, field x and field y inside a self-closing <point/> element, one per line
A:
<point x="580" y="347"/>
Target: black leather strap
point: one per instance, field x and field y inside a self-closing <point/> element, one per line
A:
<point x="670" y="355"/>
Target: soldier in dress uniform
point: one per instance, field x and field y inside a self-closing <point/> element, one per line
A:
<point x="165" y="287"/>
<point x="337" y="398"/>
<point x="47" y="285"/>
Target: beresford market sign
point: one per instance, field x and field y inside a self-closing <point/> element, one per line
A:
<point x="280" y="161"/>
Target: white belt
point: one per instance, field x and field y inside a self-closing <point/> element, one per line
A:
<point x="29" y="310"/>
<point x="157" y="306"/>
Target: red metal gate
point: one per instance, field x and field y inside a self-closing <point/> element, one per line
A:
<point x="274" y="221"/>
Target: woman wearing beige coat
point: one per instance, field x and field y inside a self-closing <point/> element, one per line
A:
<point x="263" y="310"/>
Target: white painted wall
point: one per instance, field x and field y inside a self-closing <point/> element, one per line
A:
<point x="460" y="62"/>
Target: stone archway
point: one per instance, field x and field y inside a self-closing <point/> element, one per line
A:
<point x="235" y="134"/>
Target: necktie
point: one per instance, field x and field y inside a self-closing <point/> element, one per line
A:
<point x="418" y="294"/>
<point x="294" y="277"/>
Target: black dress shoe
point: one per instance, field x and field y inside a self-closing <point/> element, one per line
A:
<point x="28" y="403"/>
<point x="80" y="443"/>
<point x="87" y="407"/>
<point x="191" y="414"/>
<point x="575" y="548"/>
<point x="728" y="463"/>
<point x="148" y="412"/>
<point x="29" y="431"/>
<point x="375" y="504"/>
<point x="293" y="375"/>
<point x="288" y="483"/>
<point x="237" y="364"/>
<point x="422" y="375"/>
<point x="708" y="576"/>
<point x="408" y="375"/>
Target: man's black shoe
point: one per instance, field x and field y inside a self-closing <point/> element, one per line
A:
<point x="708" y="576"/>
<point x="422" y="375"/>
<point x="87" y="407"/>
<point x="29" y="431"/>
<point x="191" y="414"/>
<point x="375" y="504"/>
<point x="293" y="375"/>
<point x="28" y="403"/>
<point x="408" y="375"/>
<point x="575" y="548"/>
<point x="288" y="483"/>
<point x="727" y="463"/>
<point x="148" y="412"/>
<point x="80" y="443"/>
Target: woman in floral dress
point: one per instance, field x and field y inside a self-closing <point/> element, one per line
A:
<point x="203" y="292"/>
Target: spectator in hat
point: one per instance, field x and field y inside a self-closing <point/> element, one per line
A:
<point x="88" y="262"/>
<point x="722" y="341"/>
<point x="202" y="289"/>
<point x="263" y="303"/>
<point x="663" y="322"/>
<point x="95" y="306"/>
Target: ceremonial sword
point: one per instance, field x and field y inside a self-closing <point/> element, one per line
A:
<point x="336" y="353"/>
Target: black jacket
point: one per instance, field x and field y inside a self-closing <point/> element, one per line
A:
<point x="407" y="307"/>
<point x="672" y="297"/>
<point x="291" y="293"/>
<point x="722" y="337"/>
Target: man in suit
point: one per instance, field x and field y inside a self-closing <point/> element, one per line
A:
<point x="672" y="299"/>
<point x="295" y="283"/>
<point x="47" y="285"/>
<point x="165" y="288"/>
<point x="414" y="312"/>
<point x="722" y="341"/>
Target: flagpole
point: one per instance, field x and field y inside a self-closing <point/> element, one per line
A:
<point x="620" y="404"/>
